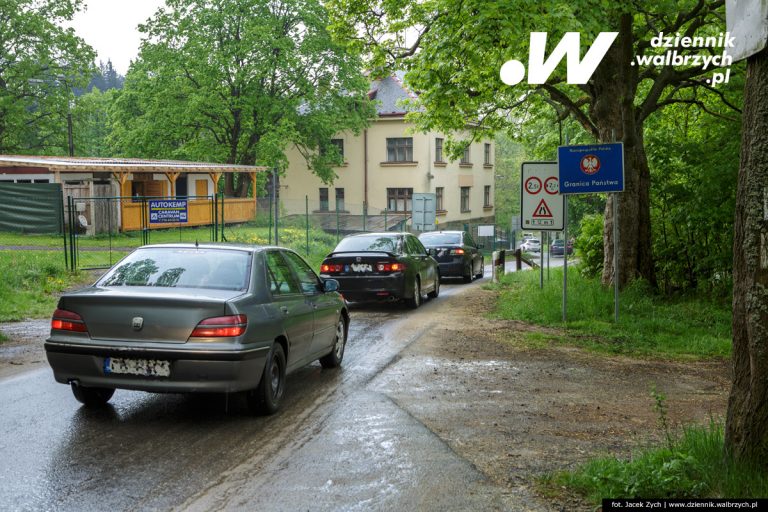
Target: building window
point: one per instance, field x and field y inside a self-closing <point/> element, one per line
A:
<point x="487" y="159"/>
<point x="323" y="199"/>
<point x="339" y="143"/>
<point x="400" y="149"/>
<point x="340" y="199"/>
<point x="438" y="150"/>
<point x="465" y="156"/>
<point x="439" y="199"/>
<point x="399" y="199"/>
<point x="465" y="199"/>
<point x="487" y="196"/>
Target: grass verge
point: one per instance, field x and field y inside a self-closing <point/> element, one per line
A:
<point x="649" y="325"/>
<point x="692" y="465"/>
<point x="32" y="283"/>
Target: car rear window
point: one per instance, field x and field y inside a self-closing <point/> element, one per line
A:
<point x="171" y="267"/>
<point x="368" y="243"/>
<point x="440" y="238"/>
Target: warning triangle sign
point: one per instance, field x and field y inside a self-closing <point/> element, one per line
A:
<point x="542" y="211"/>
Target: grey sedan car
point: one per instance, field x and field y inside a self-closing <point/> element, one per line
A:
<point x="187" y="318"/>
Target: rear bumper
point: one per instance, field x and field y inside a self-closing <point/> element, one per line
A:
<point x="379" y="288"/>
<point x="190" y="370"/>
<point x="452" y="268"/>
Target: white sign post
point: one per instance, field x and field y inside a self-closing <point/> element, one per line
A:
<point x="541" y="205"/>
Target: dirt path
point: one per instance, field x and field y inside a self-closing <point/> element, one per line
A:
<point x="517" y="413"/>
<point x="514" y="412"/>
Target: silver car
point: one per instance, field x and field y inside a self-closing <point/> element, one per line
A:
<point x="531" y="245"/>
<point x="188" y="318"/>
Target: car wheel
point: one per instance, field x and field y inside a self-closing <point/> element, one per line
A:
<point x="415" y="301"/>
<point x="468" y="274"/>
<point x="92" y="397"/>
<point x="266" y="398"/>
<point x="333" y="359"/>
<point x="481" y="274"/>
<point x="434" y="293"/>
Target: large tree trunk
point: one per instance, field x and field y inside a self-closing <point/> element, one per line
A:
<point x="614" y="89"/>
<point x="746" y="430"/>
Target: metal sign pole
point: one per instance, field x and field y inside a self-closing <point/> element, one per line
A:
<point x="541" y="266"/>
<point x="565" y="259"/>
<point x="548" y="253"/>
<point x="615" y="257"/>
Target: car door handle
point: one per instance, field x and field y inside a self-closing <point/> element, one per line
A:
<point x="284" y="309"/>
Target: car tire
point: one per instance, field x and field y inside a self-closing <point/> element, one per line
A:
<point x="434" y="293"/>
<point x="481" y="274"/>
<point x="468" y="274"/>
<point x="265" y="399"/>
<point x="415" y="301"/>
<point x="333" y="359"/>
<point x="92" y="397"/>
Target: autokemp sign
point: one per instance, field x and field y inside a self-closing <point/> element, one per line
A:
<point x="167" y="211"/>
<point x="542" y="204"/>
<point x="591" y="168"/>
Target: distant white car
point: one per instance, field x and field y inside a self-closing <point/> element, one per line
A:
<point x="531" y="245"/>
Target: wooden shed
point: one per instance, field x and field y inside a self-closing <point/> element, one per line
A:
<point x="128" y="181"/>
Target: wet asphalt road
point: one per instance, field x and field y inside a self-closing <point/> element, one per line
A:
<point x="335" y="445"/>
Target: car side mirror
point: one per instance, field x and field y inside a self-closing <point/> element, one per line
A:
<point x="330" y="285"/>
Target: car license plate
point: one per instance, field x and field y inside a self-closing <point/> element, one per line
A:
<point x="362" y="267"/>
<point x="142" y="367"/>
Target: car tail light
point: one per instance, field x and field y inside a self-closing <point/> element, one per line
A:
<point x="457" y="251"/>
<point x="330" y="269"/>
<point x="64" y="320"/>
<point x="221" y="327"/>
<point x="390" y="267"/>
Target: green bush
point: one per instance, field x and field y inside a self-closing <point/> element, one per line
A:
<point x="693" y="465"/>
<point x="589" y="245"/>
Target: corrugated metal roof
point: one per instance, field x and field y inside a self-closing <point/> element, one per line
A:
<point x="81" y="164"/>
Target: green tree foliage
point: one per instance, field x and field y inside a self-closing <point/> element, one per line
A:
<point x="106" y="77"/>
<point x="90" y="119"/>
<point x="694" y="161"/>
<point x="454" y="50"/>
<point x="239" y="82"/>
<point x="509" y="156"/>
<point x="40" y="64"/>
<point x="589" y="245"/>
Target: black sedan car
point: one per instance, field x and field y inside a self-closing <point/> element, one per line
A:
<point x="188" y="318"/>
<point x="558" y="247"/>
<point x="383" y="267"/>
<point x="456" y="253"/>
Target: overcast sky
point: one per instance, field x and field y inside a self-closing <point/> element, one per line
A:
<point x="110" y="27"/>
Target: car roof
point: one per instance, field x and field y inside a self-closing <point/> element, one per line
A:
<point x="384" y="233"/>
<point x="214" y="245"/>
<point x="448" y="232"/>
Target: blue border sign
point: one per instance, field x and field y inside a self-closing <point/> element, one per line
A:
<point x="167" y="211"/>
<point x="591" y="168"/>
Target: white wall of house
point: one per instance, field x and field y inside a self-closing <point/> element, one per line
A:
<point x="422" y="174"/>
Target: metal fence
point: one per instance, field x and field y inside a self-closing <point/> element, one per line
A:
<point x="95" y="232"/>
<point x="101" y="230"/>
